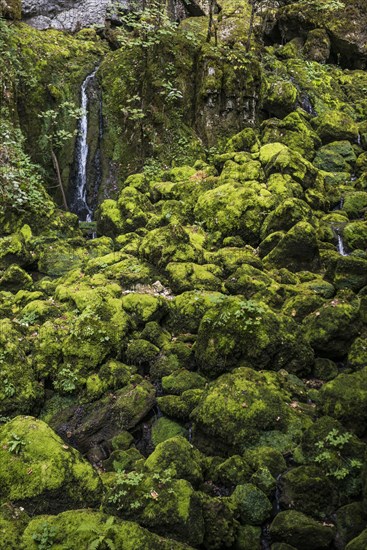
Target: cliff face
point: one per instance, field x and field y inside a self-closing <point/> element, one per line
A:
<point x="71" y="15"/>
<point x="67" y="14"/>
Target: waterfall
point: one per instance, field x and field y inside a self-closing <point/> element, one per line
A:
<point x="340" y="246"/>
<point x="80" y="204"/>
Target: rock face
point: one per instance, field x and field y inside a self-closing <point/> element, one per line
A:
<point x="71" y="15"/>
<point x="65" y="14"/>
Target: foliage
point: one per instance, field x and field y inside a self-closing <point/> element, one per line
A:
<point x="104" y="539"/>
<point x="15" y="444"/>
<point x="131" y="489"/>
<point x="331" y="458"/>
<point x="44" y="537"/>
<point x="66" y="380"/>
<point x="20" y="182"/>
<point x="56" y="125"/>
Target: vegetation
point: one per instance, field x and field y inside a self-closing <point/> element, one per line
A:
<point x="191" y="367"/>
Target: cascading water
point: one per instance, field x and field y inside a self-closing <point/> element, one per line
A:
<point x="80" y="204"/>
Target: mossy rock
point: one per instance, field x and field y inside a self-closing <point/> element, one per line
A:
<point x="358" y="543"/>
<point x="336" y="126"/>
<point x="251" y="504"/>
<point x="350" y="522"/>
<point x="317" y="46"/>
<point x="15" y="278"/>
<point x="297" y="250"/>
<point x="169" y="244"/>
<point x="293" y="131"/>
<point x="168" y="506"/>
<point x="331" y="328"/>
<point x="164" y="428"/>
<point x="179" y="456"/>
<point x="187" y="309"/>
<point x="234" y="210"/>
<point x="349" y="272"/>
<point x="190" y="276"/>
<point x="248" y="538"/>
<point x="82" y="528"/>
<point x="355" y="235"/>
<point x="325" y="369"/>
<point x="220" y="526"/>
<point x="98" y="422"/>
<point x="308" y="490"/>
<point x="19" y="391"/>
<point x="286" y="215"/>
<point x="281" y="97"/>
<point x="59" y="257"/>
<point x="238" y="331"/>
<point x="357" y="356"/>
<point x="278" y="158"/>
<point x="231" y="472"/>
<point x="241" y="409"/>
<point x="298" y="530"/>
<point x="41" y="472"/>
<point x="355" y="204"/>
<point x="175" y="406"/>
<point x="267" y="457"/>
<point x="144" y="307"/>
<point x="344" y="398"/>
<point x="246" y="140"/>
<point x="182" y="380"/>
<point x="14" y="249"/>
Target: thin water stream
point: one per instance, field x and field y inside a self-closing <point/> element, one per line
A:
<point x="80" y="205"/>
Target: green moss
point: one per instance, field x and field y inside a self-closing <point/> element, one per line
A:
<point x="179" y="456"/>
<point x="336" y="126"/>
<point x="164" y="428"/>
<point x="82" y="528"/>
<point x="237" y="331"/>
<point x="298" y="530"/>
<point x="331" y="327"/>
<point x="182" y="380"/>
<point x="190" y="276"/>
<point x="251" y="504"/>
<point x="343" y="398"/>
<point x="239" y="408"/>
<point x="44" y="466"/>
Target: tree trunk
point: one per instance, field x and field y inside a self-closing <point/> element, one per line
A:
<point x="57" y="169"/>
<point x="251" y="27"/>
<point x="210" y="22"/>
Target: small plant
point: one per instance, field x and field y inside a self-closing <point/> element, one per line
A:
<point x="28" y="319"/>
<point x="8" y="388"/>
<point x="16" y="444"/>
<point x="44" y="537"/>
<point x="330" y="455"/>
<point x="66" y="380"/>
<point x="104" y="539"/>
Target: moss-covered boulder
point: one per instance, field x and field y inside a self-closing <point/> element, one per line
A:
<point x="332" y="327"/>
<point x="182" y="380"/>
<point x="298" y="530"/>
<point x="297" y="250"/>
<point x="98" y="422"/>
<point x="239" y="331"/>
<point x="179" y="456"/>
<point x="251" y="504"/>
<point x="344" y="398"/>
<point x="19" y="390"/>
<point x="358" y="543"/>
<point x="308" y="490"/>
<point x="172" y="243"/>
<point x="244" y="408"/>
<point x="350" y="522"/>
<point x="165" y="505"/>
<point x="336" y="126"/>
<point x="84" y="528"/>
<point x="41" y="472"/>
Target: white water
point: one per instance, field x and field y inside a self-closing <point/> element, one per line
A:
<point x="341" y="249"/>
<point x="84" y="212"/>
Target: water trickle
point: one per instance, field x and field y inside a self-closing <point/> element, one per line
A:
<point x="80" y="204"/>
<point x="340" y="245"/>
